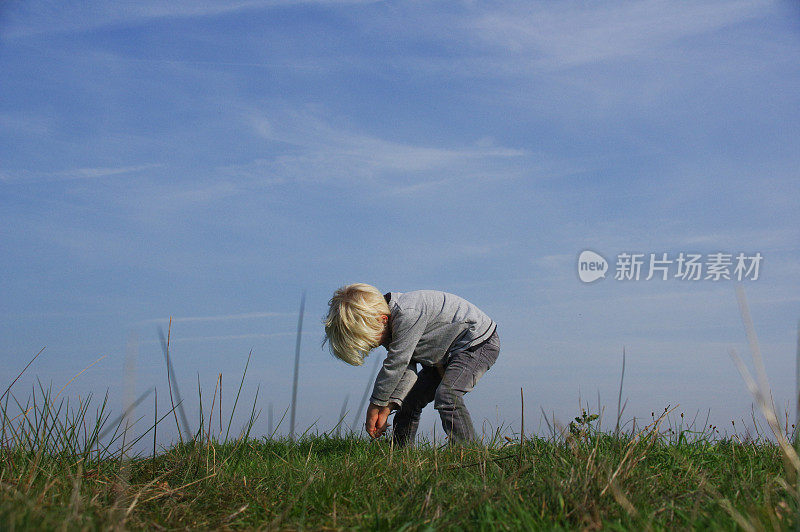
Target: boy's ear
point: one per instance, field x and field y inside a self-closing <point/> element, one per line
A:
<point x="384" y="318"/>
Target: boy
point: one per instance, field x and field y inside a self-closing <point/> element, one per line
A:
<point x="452" y="339"/>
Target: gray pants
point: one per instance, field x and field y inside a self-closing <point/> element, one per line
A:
<point x="446" y="386"/>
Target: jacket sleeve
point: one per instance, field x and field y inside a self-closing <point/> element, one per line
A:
<point x="407" y="328"/>
<point x="407" y="382"/>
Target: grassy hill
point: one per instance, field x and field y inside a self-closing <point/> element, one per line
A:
<point x="578" y="479"/>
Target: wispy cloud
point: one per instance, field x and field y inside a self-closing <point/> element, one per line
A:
<point x="25" y="124"/>
<point x="91" y="173"/>
<point x="221" y="317"/>
<point x="224" y="337"/>
<point x="565" y="35"/>
<point x="198" y="194"/>
<point x="309" y="148"/>
<point x="31" y="20"/>
<point x="307" y="130"/>
<point x="76" y="173"/>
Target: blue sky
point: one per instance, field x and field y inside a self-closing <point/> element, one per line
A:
<point x="211" y="161"/>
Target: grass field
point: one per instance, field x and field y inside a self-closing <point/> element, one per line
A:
<point x="69" y="466"/>
<point x="56" y="474"/>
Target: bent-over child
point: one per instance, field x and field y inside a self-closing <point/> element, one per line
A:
<point x="452" y="340"/>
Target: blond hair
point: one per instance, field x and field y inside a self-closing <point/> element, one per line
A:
<point x="353" y="326"/>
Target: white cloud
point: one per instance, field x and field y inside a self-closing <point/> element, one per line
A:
<point x="33" y="20"/>
<point x="221" y="317"/>
<point x="226" y="337"/>
<point x="311" y="149"/>
<point x="25" y="124"/>
<point x="188" y="195"/>
<point x="77" y="173"/>
<point x="306" y="130"/>
<point x="91" y="173"/>
<point x="566" y="35"/>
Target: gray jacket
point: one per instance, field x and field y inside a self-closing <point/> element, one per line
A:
<point x="426" y="326"/>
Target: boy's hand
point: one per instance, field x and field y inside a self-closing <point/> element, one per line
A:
<point x="376" y="420"/>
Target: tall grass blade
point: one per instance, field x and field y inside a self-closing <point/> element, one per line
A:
<point x="253" y="416"/>
<point x="522" y="417"/>
<point x="550" y="428"/>
<point x="20" y="373"/>
<point x="199" y="435"/>
<point x="172" y="381"/>
<point x="211" y="415"/>
<point x="342" y="414"/>
<point x="145" y="433"/>
<point x="761" y="390"/>
<point x="797" y="394"/>
<point x="752" y="339"/>
<point x="280" y="421"/>
<point x="296" y="364"/>
<point x="619" y="397"/>
<point x="78" y="375"/>
<point x="236" y="401"/>
<point x="522" y="425"/>
<point x="119" y="419"/>
<point x="269" y="419"/>
<point x="131" y="354"/>
<point x="797" y="424"/>
<point x="155" y="420"/>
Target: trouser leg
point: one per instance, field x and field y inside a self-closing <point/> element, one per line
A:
<point x="406" y="420"/>
<point x="463" y="371"/>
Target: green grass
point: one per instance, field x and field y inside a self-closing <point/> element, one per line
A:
<point x="67" y="466"/>
<point x="55" y="475"/>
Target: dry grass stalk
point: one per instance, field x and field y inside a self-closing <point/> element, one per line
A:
<point x="761" y="391"/>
